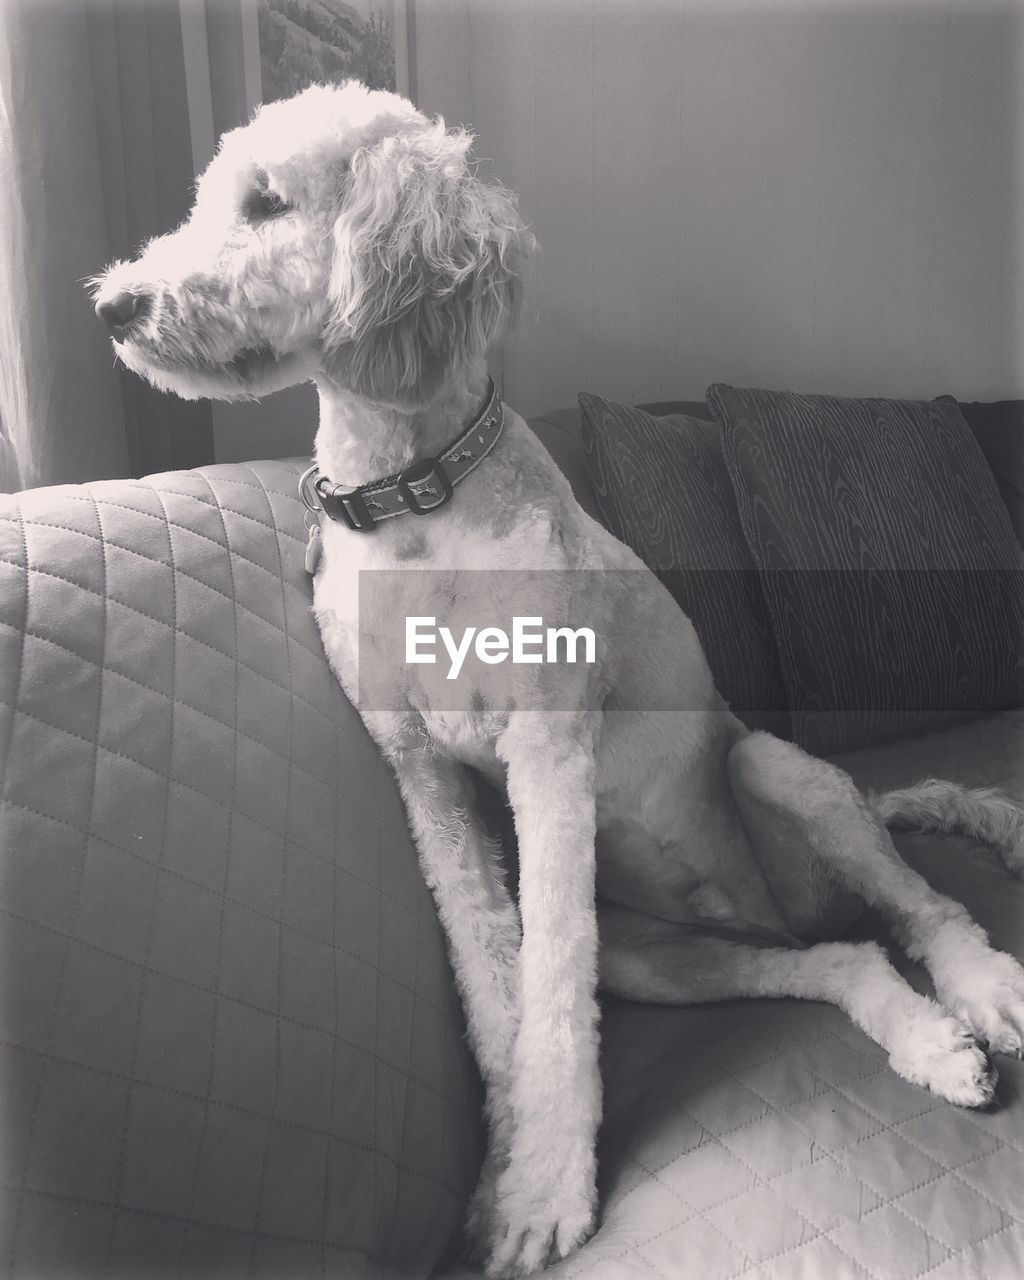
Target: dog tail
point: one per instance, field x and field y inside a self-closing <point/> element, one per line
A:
<point x="984" y="814"/>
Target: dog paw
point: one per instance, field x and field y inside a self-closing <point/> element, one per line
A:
<point x="987" y="993"/>
<point x="945" y="1059"/>
<point x="532" y="1232"/>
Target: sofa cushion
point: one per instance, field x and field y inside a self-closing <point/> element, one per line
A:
<point x="663" y="489"/>
<point x="889" y="565"/>
<point x="231" y="1041"/>
<point x="998" y="427"/>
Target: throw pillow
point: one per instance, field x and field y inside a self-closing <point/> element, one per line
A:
<point x="888" y="562"/>
<point x="663" y="489"/>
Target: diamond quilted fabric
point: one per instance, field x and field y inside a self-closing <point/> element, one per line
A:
<point x="230" y="1045"/>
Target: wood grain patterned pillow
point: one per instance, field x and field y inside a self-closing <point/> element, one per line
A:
<point x="888" y="562"/>
<point x="663" y="489"/>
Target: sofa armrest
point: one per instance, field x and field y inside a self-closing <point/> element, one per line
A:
<point x="231" y="1032"/>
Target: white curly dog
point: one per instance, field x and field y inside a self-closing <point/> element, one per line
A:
<point x="342" y="237"/>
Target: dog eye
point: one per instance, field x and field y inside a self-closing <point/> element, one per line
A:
<point x="261" y="204"/>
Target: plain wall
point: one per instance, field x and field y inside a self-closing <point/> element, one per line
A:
<point x="809" y="195"/>
<point x="812" y="196"/>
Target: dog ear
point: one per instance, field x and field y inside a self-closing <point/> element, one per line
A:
<point x="426" y="270"/>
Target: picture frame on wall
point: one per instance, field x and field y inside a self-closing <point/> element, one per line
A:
<point x="289" y="44"/>
<point x="239" y="53"/>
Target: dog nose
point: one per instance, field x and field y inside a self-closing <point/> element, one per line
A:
<point x="121" y="312"/>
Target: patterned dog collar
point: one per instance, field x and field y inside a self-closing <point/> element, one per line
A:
<point x="421" y="488"/>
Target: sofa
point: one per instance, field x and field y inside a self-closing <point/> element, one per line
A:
<point x="232" y="1045"/>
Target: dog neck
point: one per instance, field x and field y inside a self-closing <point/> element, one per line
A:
<point x="359" y="441"/>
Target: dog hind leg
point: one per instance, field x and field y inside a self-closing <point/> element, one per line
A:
<point x="819" y="808"/>
<point x="658" y="962"/>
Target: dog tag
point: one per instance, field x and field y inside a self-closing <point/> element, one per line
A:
<point x="313" y="548"/>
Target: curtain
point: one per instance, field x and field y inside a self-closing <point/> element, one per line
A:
<point x="95" y="156"/>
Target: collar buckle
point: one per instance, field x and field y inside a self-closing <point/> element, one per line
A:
<point x="425" y="486"/>
<point x="347" y="506"/>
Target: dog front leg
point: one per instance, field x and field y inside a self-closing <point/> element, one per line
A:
<point x="461" y="866"/>
<point x="547" y="1194"/>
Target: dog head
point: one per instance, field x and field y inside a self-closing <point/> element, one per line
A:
<point x="339" y="234"/>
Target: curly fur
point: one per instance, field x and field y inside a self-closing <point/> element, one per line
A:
<point x="985" y="814"/>
<point x="427" y="263"/>
<point x="384" y="273"/>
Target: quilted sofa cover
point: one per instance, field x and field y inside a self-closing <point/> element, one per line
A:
<point x="230" y="1041"/>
